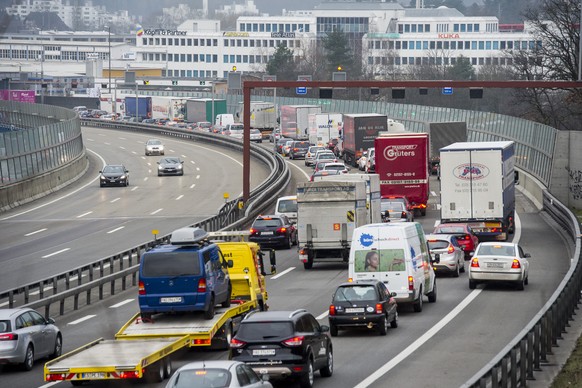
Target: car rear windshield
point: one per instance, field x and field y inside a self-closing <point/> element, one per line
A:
<point x="5" y="326"/>
<point x="301" y="144"/>
<point x="353" y="293"/>
<point x="175" y="263"/>
<point x="250" y="331"/>
<point x="438" y="244"/>
<point x="267" y="222"/>
<point x="337" y="168"/>
<point x="393" y="206"/>
<point x="203" y="378"/>
<point x="236" y="127"/>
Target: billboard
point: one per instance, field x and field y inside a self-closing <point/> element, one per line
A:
<point x="18" y="95"/>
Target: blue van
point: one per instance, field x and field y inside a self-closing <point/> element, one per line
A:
<point x="189" y="274"/>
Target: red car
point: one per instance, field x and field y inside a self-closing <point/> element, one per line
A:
<point x="465" y="236"/>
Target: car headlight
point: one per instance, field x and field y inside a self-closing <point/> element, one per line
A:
<point x="103" y="178"/>
<point x="160" y="167"/>
<point x="179" y="167"/>
<point x="122" y="177"/>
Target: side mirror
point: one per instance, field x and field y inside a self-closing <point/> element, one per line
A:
<point x="51" y="321"/>
<point x="393" y="294"/>
<point x="527" y="255"/>
<point x="437" y="259"/>
<point x="273" y="261"/>
<point x="158" y="162"/>
<point x="324" y="328"/>
<point x="229" y="263"/>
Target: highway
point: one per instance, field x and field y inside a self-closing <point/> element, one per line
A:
<point x="443" y="346"/>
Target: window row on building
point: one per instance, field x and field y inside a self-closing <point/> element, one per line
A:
<point x="194" y="73"/>
<point x="261" y="43"/>
<point x="419" y="61"/>
<point x="454" y="45"/>
<point x="274" y="27"/>
<point x="184" y="42"/>
<point x="35" y="55"/>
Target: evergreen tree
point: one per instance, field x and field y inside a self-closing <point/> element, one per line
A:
<point x="338" y="53"/>
<point x="282" y="64"/>
<point x="461" y="70"/>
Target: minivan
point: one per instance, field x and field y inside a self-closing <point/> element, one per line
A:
<point x="398" y="255"/>
<point x="189" y="274"/>
<point x="288" y="206"/>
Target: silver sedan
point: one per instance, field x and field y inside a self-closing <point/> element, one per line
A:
<point x="499" y="262"/>
<point x="448" y="254"/>
<point x="217" y="373"/>
<point x="26" y="336"/>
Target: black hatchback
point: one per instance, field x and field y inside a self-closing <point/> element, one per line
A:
<point x="285" y="345"/>
<point x="273" y="230"/>
<point x="364" y="303"/>
<point x="298" y="149"/>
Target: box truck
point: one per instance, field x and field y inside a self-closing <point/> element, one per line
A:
<point x="359" y="132"/>
<point x="478" y="187"/>
<point x="200" y="109"/>
<point x="327" y="213"/>
<point x="143" y="108"/>
<point x="402" y="162"/>
<point x="168" y="108"/>
<point x="323" y="127"/>
<point x="295" y="120"/>
<point x="263" y="115"/>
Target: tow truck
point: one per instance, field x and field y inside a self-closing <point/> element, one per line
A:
<point x="143" y="349"/>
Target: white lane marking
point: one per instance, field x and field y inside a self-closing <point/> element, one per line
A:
<point x="84" y="214"/>
<point x="283" y="273"/>
<point x="438" y="206"/>
<point x="35" y="232"/>
<point x="419" y="342"/>
<point x="101" y="134"/>
<point x="115" y="230"/>
<point x="197" y="176"/>
<point x="134" y="188"/>
<point x="121" y="303"/>
<point x="149" y="164"/>
<point x="197" y="168"/>
<point x="115" y="200"/>
<point x="192" y="162"/>
<point x="50" y="384"/>
<point x="58" y="199"/>
<point x="433" y="194"/>
<point x="122" y="138"/>
<point x="322" y="316"/>
<point x="437" y="223"/>
<point x="156" y="211"/>
<point x="4" y="304"/>
<point x="122" y="147"/>
<point x="86" y="317"/>
<point x="307" y="176"/>
<point x="433" y="330"/>
<point x="180" y="197"/>
<point x="56" y="253"/>
<point x="184" y="156"/>
<point x="133" y="152"/>
<point x="192" y="185"/>
<point x="107" y="143"/>
<point x="90" y="140"/>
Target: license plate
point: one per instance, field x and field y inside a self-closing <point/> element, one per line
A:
<point x="94" y="375"/>
<point x="266" y="233"/>
<point x="355" y="310"/>
<point x="263" y="352"/>
<point x="177" y="299"/>
<point x="495" y="265"/>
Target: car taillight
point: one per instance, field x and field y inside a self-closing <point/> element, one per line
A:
<point x="282" y="230"/>
<point x="332" y="310"/>
<point x="475" y="262"/>
<point x="410" y="283"/>
<point x="253" y="231"/>
<point x="141" y="288"/>
<point x="295" y="341"/>
<point x="515" y="264"/>
<point x="202" y="285"/>
<point x="403" y="215"/>
<point x="234" y="343"/>
<point x="378" y="308"/>
<point x="8" y="337"/>
<point x="450" y="249"/>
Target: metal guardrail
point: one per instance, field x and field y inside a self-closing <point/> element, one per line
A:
<point x="64" y="286"/>
<point x="528" y="351"/>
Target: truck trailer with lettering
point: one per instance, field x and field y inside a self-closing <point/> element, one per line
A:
<point x="402" y="163"/>
<point x="143" y="349"/>
<point x="327" y="213"/>
<point x="324" y="127"/>
<point x="478" y="187"/>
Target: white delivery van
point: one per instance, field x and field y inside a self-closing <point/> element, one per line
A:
<point x="397" y="255"/>
<point x="288" y="206"/>
<point x="223" y="119"/>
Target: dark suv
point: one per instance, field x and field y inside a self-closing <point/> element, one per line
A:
<point x="284" y="344"/>
<point x="298" y="149"/>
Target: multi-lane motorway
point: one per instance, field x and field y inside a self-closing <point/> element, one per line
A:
<point x="443" y="346"/>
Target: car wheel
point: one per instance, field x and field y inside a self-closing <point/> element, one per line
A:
<point x="226" y="303"/>
<point x="146" y="317"/>
<point x="28" y="358"/>
<point x="462" y="266"/>
<point x="209" y="314"/>
<point x="457" y="270"/>
<point x="394" y="323"/>
<point x="333" y="330"/>
<point x="155" y="372"/>
<point x="168" y="367"/>
<point x="58" y="350"/>
<point x="472" y="284"/>
<point x="77" y="383"/>
<point x="526" y="282"/>
<point x="418" y="304"/>
<point x="306" y="380"/>
<point x="432" y="296"/>
<point x="520" y="286"/>
<point x="308" y="264"/>
<point x="289" y="242"/>
<point x="423" y="212"/>
<point x="295" y="242"/>
<point x="327" y="370"/>
<point x="101" y="185"/>
<point x="383" y="326"/>
<point x="126" y="183"/>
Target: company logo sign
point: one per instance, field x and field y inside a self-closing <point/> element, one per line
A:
<point x="366" y="239"/>
<point x="392" y="153"/>
<point x="283" y="35"/>
<point x="162" y="31"/>
<point x="474" y="171"/>
<point x="139" y="31"/>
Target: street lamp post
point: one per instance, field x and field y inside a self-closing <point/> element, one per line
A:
<point x="109" y="42"/>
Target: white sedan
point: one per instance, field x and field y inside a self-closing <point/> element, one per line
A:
<point x="499" y="262"/>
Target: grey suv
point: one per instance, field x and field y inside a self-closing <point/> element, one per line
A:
<point x="285" y="344"/>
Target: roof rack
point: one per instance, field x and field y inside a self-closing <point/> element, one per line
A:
<point x="188" y="236"/>
<point x="297" y="312"/>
